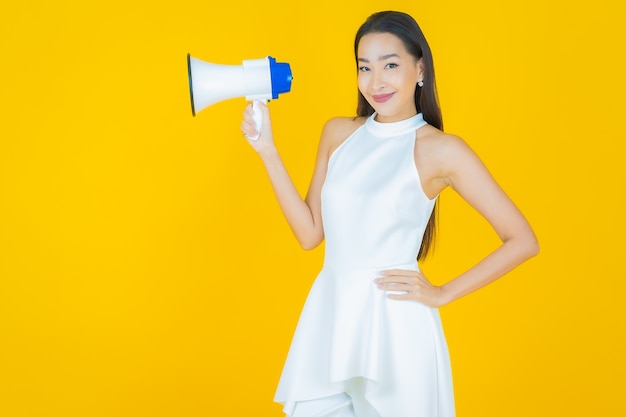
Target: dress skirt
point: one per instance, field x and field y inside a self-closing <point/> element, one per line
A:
<point x="352" y="342"/>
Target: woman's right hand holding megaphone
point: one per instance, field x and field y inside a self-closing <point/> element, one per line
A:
<point x="260" y="139"/>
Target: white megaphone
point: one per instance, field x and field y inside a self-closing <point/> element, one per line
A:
<point x="255" y="79"/>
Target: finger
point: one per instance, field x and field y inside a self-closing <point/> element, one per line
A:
<point x="248" y="117"/>
<point x="248" y="128"/>
<point x="247" y="125"/>
<point x="396" y="279"/>
<point x="400" y="272"/>
<point x="406" y="296"/>
<point x="395" y="287"/>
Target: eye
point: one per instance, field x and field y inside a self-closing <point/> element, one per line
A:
<point x="391" y="65"/>
<point x="364" y="69"/>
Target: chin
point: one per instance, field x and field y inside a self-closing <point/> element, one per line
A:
<point x="381" y="109"/>
<point x="386" y="112"/>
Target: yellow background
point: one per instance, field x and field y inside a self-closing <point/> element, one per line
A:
<point x="146" y="269"/>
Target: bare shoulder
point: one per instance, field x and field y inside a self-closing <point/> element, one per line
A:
<point x="445" y="149"/>
<point x="440" y="157"/>
<point x="435" y="139"/>
<point x="337" y="130"/>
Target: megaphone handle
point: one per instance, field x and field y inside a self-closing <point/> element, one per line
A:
<point x="257" y="116"/>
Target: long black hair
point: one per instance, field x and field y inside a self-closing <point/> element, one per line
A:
<point x="408" y="31"/>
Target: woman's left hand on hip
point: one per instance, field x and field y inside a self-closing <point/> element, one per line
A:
<point x="414" y="284"/>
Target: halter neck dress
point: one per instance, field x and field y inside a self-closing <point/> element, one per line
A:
<point x="374" y="213"/>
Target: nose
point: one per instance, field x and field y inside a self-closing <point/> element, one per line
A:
<point x="377" y="81"/>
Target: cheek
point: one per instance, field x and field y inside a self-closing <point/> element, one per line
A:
<point x="362" y="83"/>
<point x="403" y="78"/>
<point x="408" y="80"/>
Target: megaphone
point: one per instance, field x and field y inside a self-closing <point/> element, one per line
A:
<point x="255" y="79"/>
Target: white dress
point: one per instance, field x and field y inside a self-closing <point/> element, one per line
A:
<point x="374" y="214"/>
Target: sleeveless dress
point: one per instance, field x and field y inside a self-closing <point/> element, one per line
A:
<point x="374" y="214"/>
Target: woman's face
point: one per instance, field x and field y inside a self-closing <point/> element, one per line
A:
<point x="388" y="75"/>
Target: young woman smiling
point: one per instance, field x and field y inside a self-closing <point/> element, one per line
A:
<point x="370" y="342"/>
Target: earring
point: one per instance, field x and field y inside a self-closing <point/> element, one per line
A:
<point x="420" y="83"/>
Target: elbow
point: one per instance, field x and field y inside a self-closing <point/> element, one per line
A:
<point x="524" y="247"/>
<point x="310" y="242"/>
<point x="531" y="248"/>
<point x="308" y="246"/>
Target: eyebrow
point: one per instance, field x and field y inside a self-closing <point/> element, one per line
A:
<point x="381" y="58"/>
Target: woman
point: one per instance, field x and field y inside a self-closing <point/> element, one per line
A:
<point x="369" y="341"/>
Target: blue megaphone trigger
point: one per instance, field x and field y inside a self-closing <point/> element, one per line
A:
<point x="281" y="76"/>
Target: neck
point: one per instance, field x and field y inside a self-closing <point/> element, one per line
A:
<point x="402" y="114"/>
<point x="380" y="118"/>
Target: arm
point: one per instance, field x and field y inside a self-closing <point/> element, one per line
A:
<point x="469" y="177"/>
<point x="461" y="169"/>
<point x="304" y="216"/>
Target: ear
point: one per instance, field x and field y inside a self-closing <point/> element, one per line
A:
<point x="419" y="66"/>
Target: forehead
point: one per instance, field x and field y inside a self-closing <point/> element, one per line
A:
<point x="380" y="44"/>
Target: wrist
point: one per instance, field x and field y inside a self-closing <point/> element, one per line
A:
<point x="268" y="152"/>
<point x="445" y="297"/>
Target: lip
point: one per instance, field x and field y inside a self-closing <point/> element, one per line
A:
<point x="382" y="98"/>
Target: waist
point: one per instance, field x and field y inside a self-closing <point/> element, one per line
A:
<point x="368" y="268"/>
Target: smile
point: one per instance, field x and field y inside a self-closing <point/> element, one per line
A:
<point x="382" y="98"/>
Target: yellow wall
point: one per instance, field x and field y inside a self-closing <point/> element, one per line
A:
<point x="145" y="269"/>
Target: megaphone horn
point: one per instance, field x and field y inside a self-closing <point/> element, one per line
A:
<point x="255" y="79"/>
